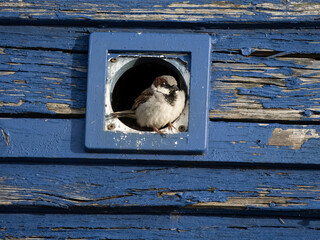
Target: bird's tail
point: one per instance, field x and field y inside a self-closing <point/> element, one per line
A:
<point x="125" y="113"/>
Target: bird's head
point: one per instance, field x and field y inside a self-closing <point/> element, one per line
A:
<point x="165" y="84"/>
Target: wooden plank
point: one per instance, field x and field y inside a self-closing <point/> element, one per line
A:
<point x="18" y="226"/>
<point x="50" y="82"/>
<point x="229" y="143"/>
<point x="265" y="75"/>
<point x="257" y="75"/>
<point x="199" y="11"/>
<point x="160" y="189"/>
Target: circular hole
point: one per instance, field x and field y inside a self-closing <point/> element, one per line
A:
<point x="136" y="79"/>
<point x="182" y="128"/>
<point x="111" y="126"/>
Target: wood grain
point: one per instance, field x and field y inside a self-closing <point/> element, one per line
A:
<point x="174" y="226"/>
<point x="257" y="75"/>
<point x="230" y="143"/>
<point x="103" y="189"/>
<point x="257" y="180"/>
<point x="165" y="11"/>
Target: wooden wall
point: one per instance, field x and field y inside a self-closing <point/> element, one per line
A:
<point x="260" y="177"/>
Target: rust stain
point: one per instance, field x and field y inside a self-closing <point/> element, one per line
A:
<point x="293" y="138"/>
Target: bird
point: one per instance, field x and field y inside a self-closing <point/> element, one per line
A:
<point x="157" y="106"/>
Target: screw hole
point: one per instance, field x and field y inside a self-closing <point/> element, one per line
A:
<point x="113" y="60"/>
<point x="182" y="128"/>
<point x="111" y="126"/>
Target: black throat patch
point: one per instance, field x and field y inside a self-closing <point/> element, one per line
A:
<point x="171" y="97"/>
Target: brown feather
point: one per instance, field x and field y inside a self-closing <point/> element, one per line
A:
<point x="159" y="81"/>
<point x="145" y="95"/>
<point x="125" y="113"/>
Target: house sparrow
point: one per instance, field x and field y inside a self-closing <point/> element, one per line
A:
<point x="159" y="105"/>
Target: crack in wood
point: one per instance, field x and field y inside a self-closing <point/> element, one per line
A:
<point x="6" y="137"/>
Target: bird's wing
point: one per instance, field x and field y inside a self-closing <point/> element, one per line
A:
<point x="144" y="96"/>
<point x="125" y="113"/>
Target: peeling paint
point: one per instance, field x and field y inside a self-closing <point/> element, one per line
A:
<point x="62" y="108"/>
<point x="243" y="203"/>
<point x="291" y="137"/>
<point x="167" y="11"/>
<point x="2" y="104"/>
<point x="20" y="81"/>
<point x="53" y="78"/>
<point x="169" y="193"/>
<point x="6" y="73"/>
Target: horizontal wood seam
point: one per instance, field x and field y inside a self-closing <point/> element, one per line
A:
<point x="167" y="24"/>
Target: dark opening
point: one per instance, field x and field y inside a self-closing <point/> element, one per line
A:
<point x="136" y="79"/>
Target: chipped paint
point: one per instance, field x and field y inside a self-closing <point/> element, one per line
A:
<point x="167" y="11"/>
<point x="6" y="73"/>
<point x="53" y="78"/>
<point x="18" y="104"/>
<point x="20" y="81"/>
<point x="262" y="114"/>
<point x="169" y="193"/>
<point x="62" y="108"/>
<point x="243" y="203"/>
<point x="294" y="138"/>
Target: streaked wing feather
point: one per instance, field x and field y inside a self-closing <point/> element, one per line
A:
<point x="145" y="95"/>
<point x="125" y="113"/>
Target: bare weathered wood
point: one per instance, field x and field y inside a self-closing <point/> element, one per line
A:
<point x="249" y="88"/>
<point x="71" y="188"/>
<point x="173" y="11"/>
<point x="256" y="75"/>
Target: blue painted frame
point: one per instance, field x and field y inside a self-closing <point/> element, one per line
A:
<point x="194" y="141"/>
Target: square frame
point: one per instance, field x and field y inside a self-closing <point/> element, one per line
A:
<point x="194" y="141"/>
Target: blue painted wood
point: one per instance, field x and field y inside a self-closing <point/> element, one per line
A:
<point x="195" y="139"/>
<point x="47" y="74"/>
<point x="177" y="11"/>
<point x="229" y="142"/>
<point x="257" y="74"/>
<point x="154" y="227"/>
<point x="160" y="189"/>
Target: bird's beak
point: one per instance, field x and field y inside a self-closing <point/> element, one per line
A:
<point x="175" y="88"/>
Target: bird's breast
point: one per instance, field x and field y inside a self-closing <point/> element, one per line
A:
<point x="157" y="112"/>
